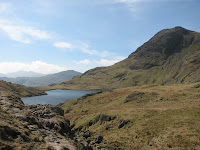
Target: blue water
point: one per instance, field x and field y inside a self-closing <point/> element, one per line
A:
<point x="55" y="97"/>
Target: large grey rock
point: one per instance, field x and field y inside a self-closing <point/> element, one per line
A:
<point x="103" y="118"/>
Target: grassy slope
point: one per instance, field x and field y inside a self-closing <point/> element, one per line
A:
<point x="171" y="56"/>
<point x="20" y="90"/>
<point x="168" y="116"/>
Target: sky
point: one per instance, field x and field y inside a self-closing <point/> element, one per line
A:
<point x="49" y="36"/>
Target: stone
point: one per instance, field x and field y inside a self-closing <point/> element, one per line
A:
<point x="197" y="86"/>
<point x="68" y="110"/>
<point x="103" y="118"/>
<point x="123" y="123"/>
<point x="79" y="128"/>
<point x="87" y="134"/>
<point x="150" y="143"/>
<point x="90" y="123"/>
<point x="133" y="96"/>
<point x="98" y="139"/>
<point x="58" y="110"/>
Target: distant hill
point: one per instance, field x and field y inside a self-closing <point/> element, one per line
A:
<point x="2" y="75"/>
<point x="171" y="56"/>
<point x="20" y="90"/>
<point x="23" y="74"/>
<point x="44" y="80"/>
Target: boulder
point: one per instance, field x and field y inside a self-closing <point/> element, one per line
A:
<point x="8" y="134"/>
<point x="58" y="110"/>
<point x="197" y="86"/>
<point x="103" y="118"/>
<point x="133" y="96"/>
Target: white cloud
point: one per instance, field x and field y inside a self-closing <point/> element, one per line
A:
<point x="86" y="64"/>
<point x="85" y="49"/>
<point x="101" y="62"/>
<point x="63" y="45"/>
<point x="15" y="30"/>
<point x="36" y="66"/>
<point x="85" y="61"/>
<point x="105" y="62"/>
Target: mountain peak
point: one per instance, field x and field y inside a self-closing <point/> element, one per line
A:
<point x="162" y="45"/>
<point x="166" y="42"/>
<point x="177" y="29"/>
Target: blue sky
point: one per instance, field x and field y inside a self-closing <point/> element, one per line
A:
<point x="49" y="36"/>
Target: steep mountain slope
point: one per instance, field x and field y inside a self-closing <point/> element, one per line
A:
<point x="44" y="80"/>
<point x="171" y="56"/>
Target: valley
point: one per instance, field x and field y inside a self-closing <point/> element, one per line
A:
<point x="150" y="100"/>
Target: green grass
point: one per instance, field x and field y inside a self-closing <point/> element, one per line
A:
<point x="168" y="116"/>
<point x="20" y="90"/>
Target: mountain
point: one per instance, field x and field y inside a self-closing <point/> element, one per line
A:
<point x="24" y="74"/>
<point x="44" y="80"/>
<point x="171" y="56"/>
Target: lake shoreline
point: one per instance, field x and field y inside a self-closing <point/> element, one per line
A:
<point x="55" y="97"/>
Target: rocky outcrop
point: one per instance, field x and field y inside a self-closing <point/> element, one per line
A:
<point x="90" y="140"/>
<point x="42" y="125"/>
<point x="133" y="96"/>
<point x="197" y="86"/>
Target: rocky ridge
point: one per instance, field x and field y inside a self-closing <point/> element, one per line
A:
<point x="44" y="126"/>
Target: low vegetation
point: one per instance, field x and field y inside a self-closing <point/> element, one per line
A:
<point x="153" y="101"/>
<point x="141" y="117"/>
<point x="13" y="134"/>
<point x="20" y="90"/>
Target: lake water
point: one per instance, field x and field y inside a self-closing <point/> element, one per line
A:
<point x="55" y="97"/>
